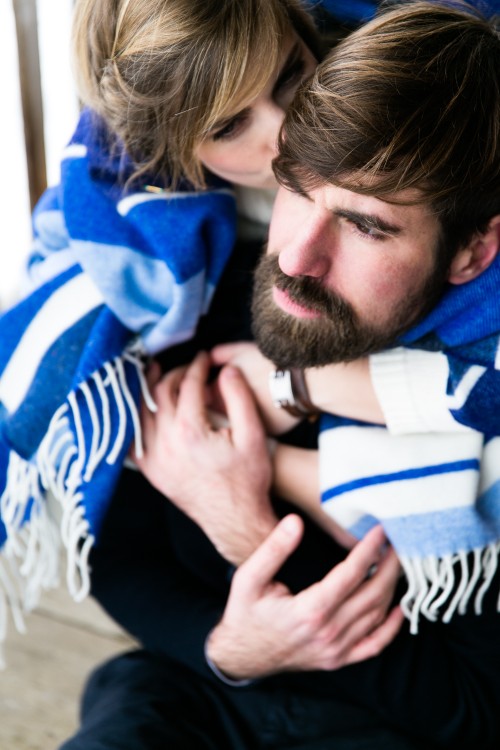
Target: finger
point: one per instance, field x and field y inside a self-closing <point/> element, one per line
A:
<point x="386" y="574"/>
<point x="214" y="397"/>
<point x="166" y="390"/>
<point x="191" y="402"/>
<point x="165" y="396"/>
<point x="374" y="643"/>
<point x="248" y="432"/>
<point x="368" y="604"/>
<point x="153" y="373"/>
<point x="224" y="353"/>
<point x="340" y="583"/>
<point x="252" y="577"/>
<point x="361" y="614"/>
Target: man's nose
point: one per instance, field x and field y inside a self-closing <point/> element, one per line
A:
<point x="309" y="251"/>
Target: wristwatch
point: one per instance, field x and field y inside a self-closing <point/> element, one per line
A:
<point x="289" y="392"/>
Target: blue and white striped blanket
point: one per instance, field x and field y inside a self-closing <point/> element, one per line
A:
<point x="117" y="274"/>
<point x="436" y="494"/>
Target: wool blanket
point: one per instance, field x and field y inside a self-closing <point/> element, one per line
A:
<point x="437" y="495"/>
<point x="119" y="270"/>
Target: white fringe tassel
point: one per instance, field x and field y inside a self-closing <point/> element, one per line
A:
<point x="29" y="560"/>
<point x="450" y="581"/>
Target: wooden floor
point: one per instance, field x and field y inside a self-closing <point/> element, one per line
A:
<point x="45" y="670"/>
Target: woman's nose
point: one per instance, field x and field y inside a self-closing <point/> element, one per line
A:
<point x="272" y="117"/>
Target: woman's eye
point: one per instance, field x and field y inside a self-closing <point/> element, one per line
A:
<point x="230" y="130"/>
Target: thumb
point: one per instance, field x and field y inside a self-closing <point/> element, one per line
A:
<point x="253" y="576"/>
<point x="224" y="353"/>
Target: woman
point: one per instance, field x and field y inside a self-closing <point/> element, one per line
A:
<point x="131" y="245"/>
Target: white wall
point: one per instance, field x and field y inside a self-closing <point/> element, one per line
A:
<point x="59" y="98"/>
<point x="60" y="109"/>
<point x="14" y="199"/>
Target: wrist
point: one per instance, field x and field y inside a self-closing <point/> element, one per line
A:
<point x="253" y="532"/>
<point x="211" y="659"/>
<point x="289" y="392"/>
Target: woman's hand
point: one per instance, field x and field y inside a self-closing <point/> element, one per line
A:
<point x="256" y="369"/>
<point x="219" y="476"/>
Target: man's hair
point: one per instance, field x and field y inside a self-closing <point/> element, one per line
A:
<point x="162" y="72"/>
<point x="410" y="100"/>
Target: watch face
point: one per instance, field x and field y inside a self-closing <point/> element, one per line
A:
<point x="280" y="385"/>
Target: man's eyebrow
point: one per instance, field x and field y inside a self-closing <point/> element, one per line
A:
<point x="369" y="220"/>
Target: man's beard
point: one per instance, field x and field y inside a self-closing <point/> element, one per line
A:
<point x="337" y="335"/>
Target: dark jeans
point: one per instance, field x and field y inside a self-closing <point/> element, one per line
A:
<point x="138" y="702"/>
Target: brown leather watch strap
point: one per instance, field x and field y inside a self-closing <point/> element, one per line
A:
<point x="289" y="392"/>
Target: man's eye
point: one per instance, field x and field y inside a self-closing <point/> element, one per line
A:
<point x="368" y="231"/>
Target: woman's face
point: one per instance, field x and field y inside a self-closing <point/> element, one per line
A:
<point x="241" y="148"/>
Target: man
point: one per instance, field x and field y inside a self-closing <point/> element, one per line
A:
<point x="441" y="686"/>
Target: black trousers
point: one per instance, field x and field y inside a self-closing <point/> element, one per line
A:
<point x="138" y="702"/>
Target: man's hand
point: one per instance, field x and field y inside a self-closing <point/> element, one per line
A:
<point x="340" y="620"/>
<point x="256" y="369"/>
<point x="220" y="477"/>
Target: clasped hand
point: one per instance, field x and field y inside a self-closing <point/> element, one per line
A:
<point x="220" y="477"/>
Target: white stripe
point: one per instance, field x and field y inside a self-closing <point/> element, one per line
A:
<point x="74" y="151"/>
<point x="127" y="204"/>
<point x="411" y="387"/>
<point x="490" y="464"/>
<point x="61" y="311"/>
<point x="465" y="386"/>
<point x="348" y="453"/>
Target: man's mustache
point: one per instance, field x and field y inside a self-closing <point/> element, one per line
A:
<point x="308" y="292"/>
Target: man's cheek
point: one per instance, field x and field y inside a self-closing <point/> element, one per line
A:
<point x="377" y="295"/>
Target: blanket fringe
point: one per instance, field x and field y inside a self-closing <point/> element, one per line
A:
<point x="448" y="583"/>
<point x="41" y="506"/>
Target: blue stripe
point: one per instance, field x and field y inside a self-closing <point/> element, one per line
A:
<point x="398" y="476"/>
<point x="17" y="319"/>
<point x="52" y="382"/>
<point x="441" y="532"/>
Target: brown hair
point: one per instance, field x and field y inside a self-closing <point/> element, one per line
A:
<point x="162" y="72"/>
<point x="410" y="100"/>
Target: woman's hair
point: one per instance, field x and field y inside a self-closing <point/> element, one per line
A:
<point x="162" y="73"/>
<point x="410" y="100"/>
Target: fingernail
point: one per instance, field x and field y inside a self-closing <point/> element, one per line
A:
<point x="289" y="525"/>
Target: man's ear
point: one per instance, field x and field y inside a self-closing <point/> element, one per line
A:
<point x="481" y="251"/>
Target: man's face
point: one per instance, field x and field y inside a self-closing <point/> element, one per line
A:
<point x="345" y="275"/>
